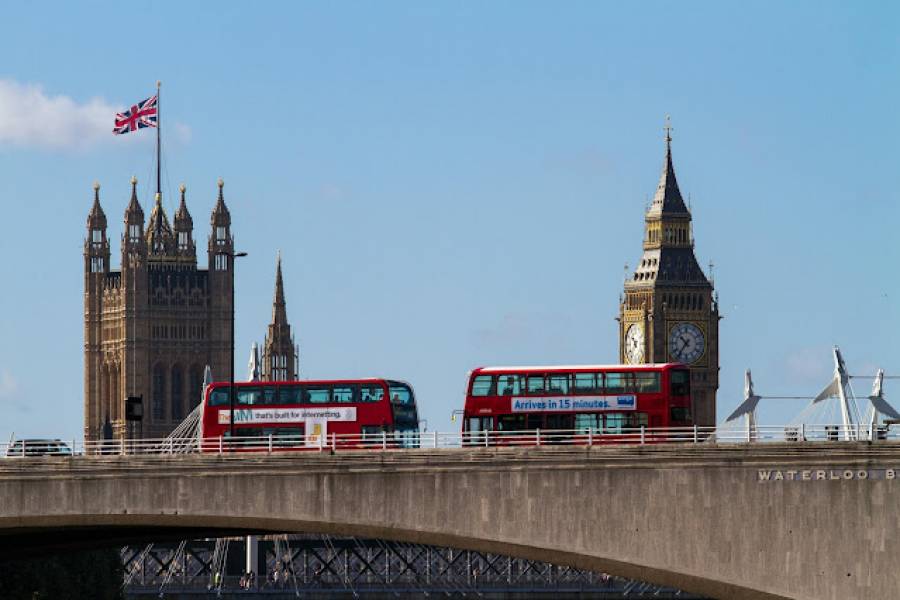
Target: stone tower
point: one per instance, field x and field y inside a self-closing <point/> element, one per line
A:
<point x="151" y="327"/>
<point x="280" y="355"/>
<point x="669" y="311"/>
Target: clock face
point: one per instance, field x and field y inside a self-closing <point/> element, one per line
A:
<point x="634" y="344"/>
<point x="686" y="343"/>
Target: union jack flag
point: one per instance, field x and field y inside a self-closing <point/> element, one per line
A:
<point x="142" y="114"/>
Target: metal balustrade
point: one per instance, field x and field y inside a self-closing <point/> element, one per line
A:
<point x="386" y="441"/>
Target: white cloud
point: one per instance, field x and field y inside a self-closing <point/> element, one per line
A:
<point x="8" y="385"/>
<point x="32" y="118"/>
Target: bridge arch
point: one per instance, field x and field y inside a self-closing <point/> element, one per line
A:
<point x="695" y="518"/>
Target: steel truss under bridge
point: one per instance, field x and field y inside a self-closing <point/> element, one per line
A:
<point x="318" y="566"/>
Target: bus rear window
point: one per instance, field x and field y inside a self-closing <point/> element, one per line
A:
<point x="680" y="383"/>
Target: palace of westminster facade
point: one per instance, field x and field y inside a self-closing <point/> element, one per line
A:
<point x="152" y="327"/>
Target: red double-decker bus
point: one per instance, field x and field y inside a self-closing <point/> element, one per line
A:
<point x="576" y="401"/>
<point x="310" y="414"/>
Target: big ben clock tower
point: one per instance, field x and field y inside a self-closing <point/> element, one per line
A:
<point x="669" y="312"/>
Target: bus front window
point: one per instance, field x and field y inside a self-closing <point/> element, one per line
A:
<point x="400" y="393"/>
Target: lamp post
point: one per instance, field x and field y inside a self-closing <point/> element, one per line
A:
<point x="233" y="255"/>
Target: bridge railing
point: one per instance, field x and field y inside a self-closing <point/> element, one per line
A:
<point x="394" y="441"/>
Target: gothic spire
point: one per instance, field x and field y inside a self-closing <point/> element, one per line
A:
<point x="183" y="215"/>
<point x="184" y="231"/>
<point x="96" y="218"/>
<point x="134" y="213"/>
<point x="220" y="214"/>
<point x="667" y="199"/>
<point x="279" y="307"/>
<point x="280" y="355"/>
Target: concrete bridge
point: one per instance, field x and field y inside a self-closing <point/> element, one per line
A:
<point x="807" y="521"/>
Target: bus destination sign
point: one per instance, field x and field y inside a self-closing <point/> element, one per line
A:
<point x="287" y="415"/>
<point x="573" y="404"/>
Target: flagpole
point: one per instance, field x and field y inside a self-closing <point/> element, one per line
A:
<point x="158" y="154"/>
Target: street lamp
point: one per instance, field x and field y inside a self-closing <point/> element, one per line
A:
<point x="233" y="255"/>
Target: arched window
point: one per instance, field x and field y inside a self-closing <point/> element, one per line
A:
<point x="159" y="393"/>
<point x="177" y="393"/>
<point x="104" y="393"/>
<point x="115" y="397"/>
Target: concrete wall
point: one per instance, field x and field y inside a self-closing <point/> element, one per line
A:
<point x="693" y="517"/>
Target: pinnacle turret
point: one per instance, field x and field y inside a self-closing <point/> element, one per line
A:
<point x="220" y="215"/>
<point x="160" y="239"/>
<point x="184" y="228"/>
<point x="96" y="218"/>
<point x="134" y="213"/>
<point x="96" y="246"/>
<point x="183" y="215"/>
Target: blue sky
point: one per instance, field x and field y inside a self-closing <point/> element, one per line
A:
<point x="454" y="184"/>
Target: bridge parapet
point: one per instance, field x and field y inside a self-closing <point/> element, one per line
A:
<point x="813" y="520"/>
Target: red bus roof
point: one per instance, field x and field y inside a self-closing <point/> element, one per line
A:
<point x="305" y="381"/>
<point x="567" y="368"/>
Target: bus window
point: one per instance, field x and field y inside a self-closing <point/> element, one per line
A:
<point x="620" y="383"/>
<point x="647" y="381"/>
<point x="586" y="422"/>
<point x="615" y="422"/>
<point x="511" y="422"/>
<point x="534" y="421"/>
<point x="246" y="432"/>
<point x="680" y="382"/>
<point x="219" y="397"/>
<point x="615" y="383"/>
<point x="371" y="393"/>
<point x="563" y="422"/>
<point x="401" y="394"/>
<point x="476" y="424"/>
<point x="586" y="383"/>
<point x="318" y="395"/>
<point x="482" y="384"/>
<point x="290" y="394"/>
<point x="269" y="395"/>
<point x="344" y="393"/>
<point x="558" y="384"/>
<point x="287" y="436"/>
<point x="248" y="395"/>
<point x="637" y="419"/>
<point x="510" y="385"/>
<point x="372" y="434"/>
<point x="281" y="436"/>
<point x="535" y="384"/>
